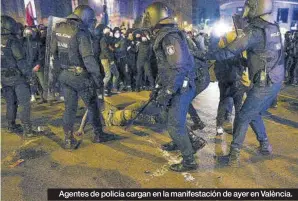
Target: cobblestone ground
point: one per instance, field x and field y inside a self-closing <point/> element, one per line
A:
<point x="135" y="159"/>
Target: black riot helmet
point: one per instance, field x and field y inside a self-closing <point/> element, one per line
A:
<point x="257" y="8"/>
<point x="8" y="25"/>
<point x="154" y="14"/>
<point x="85" y="14"/>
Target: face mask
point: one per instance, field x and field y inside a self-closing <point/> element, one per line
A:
<point x="117" y="35"/>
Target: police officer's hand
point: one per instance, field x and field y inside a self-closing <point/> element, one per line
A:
<point x="163" y="98"/>
<point x="154" y="93"/>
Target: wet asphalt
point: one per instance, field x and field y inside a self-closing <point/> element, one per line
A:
<point x="135" y="159"/>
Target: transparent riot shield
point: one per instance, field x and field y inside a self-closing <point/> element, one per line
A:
<point x="48" y="68"/>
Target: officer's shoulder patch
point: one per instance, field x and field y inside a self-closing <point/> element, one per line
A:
<point x="170" y="49"/>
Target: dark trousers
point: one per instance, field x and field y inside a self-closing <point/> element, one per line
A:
<point x="202" y="82"/>
<point x="18" y="95"/>
<point x="176" y="120"/>
<point x="142" y="67"/>
<point x="149" y="74"/>
<point x="227" y="91"/>
<point x="133" y="74"/>
<point x="79" y="86"/>
<point x="124" y="71"/>
<point x="258" y="100"/>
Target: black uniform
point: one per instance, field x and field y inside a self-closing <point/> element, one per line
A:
<point x="14" y="76"/>
<point x="262" y="41"/>
<point x="176" y="75"/>
<point x="80" y="74"/>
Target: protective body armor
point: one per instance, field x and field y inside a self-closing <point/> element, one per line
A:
<point x="7" y="59"/>
<point x="68" y="46"/>
<point x="268" y="56"/>
<point x="185" y="64"/>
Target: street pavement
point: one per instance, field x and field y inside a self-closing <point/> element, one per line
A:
<point x="135" y="160"/>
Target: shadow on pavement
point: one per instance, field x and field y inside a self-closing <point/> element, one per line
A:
<point x="281" y="120"/>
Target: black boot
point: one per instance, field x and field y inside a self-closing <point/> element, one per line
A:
<point x="196" y="142"/>
<point x="188" y="163"/>
<point x="28" y="132"/>
<point x="101" y="137"/>
<point x="14" y="128"/>
<point x="265" y="148"/>
<point x="70" y="142"/>
<point x="232" y="159"/>
<point x="171" y="146"/>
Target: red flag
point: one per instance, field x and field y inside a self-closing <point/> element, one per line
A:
<point x="29" y="15"/>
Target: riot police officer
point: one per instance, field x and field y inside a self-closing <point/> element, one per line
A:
<point x="262" y="41"/>
<point x="175" y="80"/>
<point x="80" y="74"/>
<point x="14" y="76"/>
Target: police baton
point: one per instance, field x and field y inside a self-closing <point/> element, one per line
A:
<point x="152" y="98"/>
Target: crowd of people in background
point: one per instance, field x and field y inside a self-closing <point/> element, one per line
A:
<point x="125" y="56"/>
<point x="99" y="61"/>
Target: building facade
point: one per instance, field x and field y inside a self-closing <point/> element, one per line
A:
<point x="285" y="12"/>
<point x="119" y="11"/>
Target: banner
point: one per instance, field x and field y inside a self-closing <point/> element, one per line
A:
<point x="29" y="15"/>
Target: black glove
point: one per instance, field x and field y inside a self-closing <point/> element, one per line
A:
<point x="154" y="93"/>
<point x="163" y="98"/>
